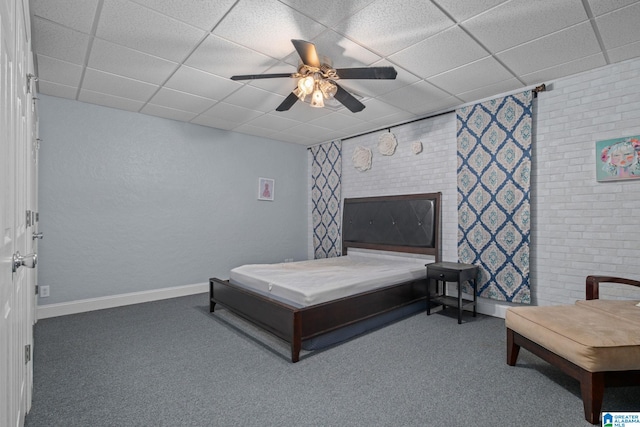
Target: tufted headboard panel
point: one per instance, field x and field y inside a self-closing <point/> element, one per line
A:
<point x="405" y="223"/>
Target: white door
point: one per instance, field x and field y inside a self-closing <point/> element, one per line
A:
<point x="16" y="193"/>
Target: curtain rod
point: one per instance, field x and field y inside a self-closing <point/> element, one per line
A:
<point x="400" y="124"/>
<point x="535" y="90"/>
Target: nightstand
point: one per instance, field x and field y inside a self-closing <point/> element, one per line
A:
<point x="443" y="272"/>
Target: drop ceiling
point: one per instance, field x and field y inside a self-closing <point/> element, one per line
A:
<point x="174" y="58"/>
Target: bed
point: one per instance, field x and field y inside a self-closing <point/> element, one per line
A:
<point x="399" y="224"/>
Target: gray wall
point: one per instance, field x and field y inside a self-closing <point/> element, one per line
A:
<point x="130" y="202"/>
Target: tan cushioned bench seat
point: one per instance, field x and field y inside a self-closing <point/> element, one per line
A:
<point x="597" y="335"/>
<point x="625" y="311"/>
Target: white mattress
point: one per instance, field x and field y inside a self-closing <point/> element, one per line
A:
<point x="306" y="283"/>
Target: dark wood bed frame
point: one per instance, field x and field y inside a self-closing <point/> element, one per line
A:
<point x="592" y="384"/>
<point x="295" y="325"/>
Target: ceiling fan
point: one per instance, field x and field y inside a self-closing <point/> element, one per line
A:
<point x="317" y="79"/>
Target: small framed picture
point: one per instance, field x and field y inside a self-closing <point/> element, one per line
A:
<point x="266" y="188"/>
<point x="618" y="159"/>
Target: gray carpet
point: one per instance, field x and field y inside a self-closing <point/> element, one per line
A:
<point x="171" y="363"/>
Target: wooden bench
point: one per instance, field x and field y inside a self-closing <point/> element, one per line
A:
<point x="595" y="341"/>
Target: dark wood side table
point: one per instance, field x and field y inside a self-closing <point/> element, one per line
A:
<point x="452" y="272"/>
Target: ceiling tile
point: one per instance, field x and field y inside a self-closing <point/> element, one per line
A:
<point x="337" y="121"/>
<point x="600" y="7"/>
<point x="462" y="10"/>
<point x="255" y="99"/>
<point x="201" y="14"/>
<point x="224" y="58"/>
<point x="56" y="89"/>
<point x="116" y="59"/>
<point x="197" y="82"/>
<point x="565" y="69"/>
<point x="309" y="131"/>
<point x="129" y="24"/>
<point x="232" y="113"/>
<point x="374" y="109"/>
<point x="392" y="119"/>
<point x="373" y="88"/>
<point x="618" y="28"/>
<point x="162" y="49"/>
<point x="357" y="128"/>
<point x="215" y="122"/>
<point x="296" y="139"/>
<point x="272" y="26"/>
<point x="303" y="112"/>
<point x="58" y="71"/>
<point x="98" y="81"/>
<point x="76" y="14"/>
<point x="448" y="49"/>
<point x="59" y="42"/>
<point x="109" y="100"/>
<point x="255" y="130"/>
<point x="622" y="53"/>
<point x="181" y="101"/>
<point x="342" y="52"/>
<point x="417" y="98"/>
<point x="475" y="75"/>
<point x="555" y="49"/>
<point x="328" y="16"/>
<point x="167" y="113"/>
<point x="273" y="121"/>
<point x="489" y="91"/>
<point x="519" y="21"/>
<point x="387" y="26"/>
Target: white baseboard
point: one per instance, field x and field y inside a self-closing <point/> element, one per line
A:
<point x="91" y="304"/>
<point x="494" y="308"/>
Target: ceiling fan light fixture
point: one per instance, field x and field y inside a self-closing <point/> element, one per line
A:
<point x="316" y="80"/>
<point x="306" y="85"/>
<point x="300" y="94"/>
<point x="317" y="98"/>
<point x="328" y="88"/>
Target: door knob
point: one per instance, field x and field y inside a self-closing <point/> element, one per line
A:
<point x="37" y="235"/>
<point x="28" y="261"/>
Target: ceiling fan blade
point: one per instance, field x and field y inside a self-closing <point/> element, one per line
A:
<point x="260" y="76"/>
<point x="367" y="73"/>
<point x="307" y="52"/>
<point x="288" y="102"/>
<point x="348" y="100"/>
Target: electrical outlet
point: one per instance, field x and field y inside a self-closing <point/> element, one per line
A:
<point x="44" y="291"/>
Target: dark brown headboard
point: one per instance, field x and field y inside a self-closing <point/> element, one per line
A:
<point x="406" y="223"/>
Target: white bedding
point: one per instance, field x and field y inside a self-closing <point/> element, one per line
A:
<point x="306" y="283"/>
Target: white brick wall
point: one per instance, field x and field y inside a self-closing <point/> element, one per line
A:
<point x="433" y="170"/>
<point x="405" y="172"/>
<point x="579" y="226"/>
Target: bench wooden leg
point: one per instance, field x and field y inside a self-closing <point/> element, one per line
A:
<point x="592" y="390"/>
<point x="513" y="349"/>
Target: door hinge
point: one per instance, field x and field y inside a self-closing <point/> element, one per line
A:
<point x="27" y="353"/>
<point x="37" y="290"/>
<point x="28" y="218"/>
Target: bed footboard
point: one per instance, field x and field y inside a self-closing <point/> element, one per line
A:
<point x="277" y="318"/>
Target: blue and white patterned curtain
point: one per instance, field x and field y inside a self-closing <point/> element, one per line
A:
<point x="326" y="174"/>
<point x="494" y="170"/>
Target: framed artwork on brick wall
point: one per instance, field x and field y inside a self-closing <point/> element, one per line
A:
<point x="618" y="159"/>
